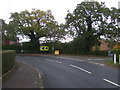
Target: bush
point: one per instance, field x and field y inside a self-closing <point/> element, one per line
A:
<point x="15" y="47"/>
<point x="30" y="47"/>
<point x="65" y="48"/>
<point x="8" y="60"/>
<point x="0" y="63"/>
<point x="26" y="47"/>
<point x="99" y="53"/>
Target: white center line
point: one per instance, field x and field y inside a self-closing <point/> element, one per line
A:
<point x="80" y="69"/>
<point x="84" y="60"/>
<point x="96" y="63"/>
<point x="111" y="82"/>
<point x="52" y="61"/>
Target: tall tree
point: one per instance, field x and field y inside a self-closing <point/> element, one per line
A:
<point x="112" y="33"/>
<point x="35" y="24"/>
<point x="88" y="22"/>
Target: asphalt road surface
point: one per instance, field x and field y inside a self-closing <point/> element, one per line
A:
<point x="63" y="72"/>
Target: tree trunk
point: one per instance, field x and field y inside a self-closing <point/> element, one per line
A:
<point x="34" y="42"/>
<point x="89" y="23"/>
<point x="89" y="36"/>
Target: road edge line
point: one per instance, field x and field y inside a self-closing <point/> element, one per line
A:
<point x="40" y="76"/>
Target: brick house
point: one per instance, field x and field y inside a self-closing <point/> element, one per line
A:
<point x="103" y="46"/>
<point x="7" y="42"/>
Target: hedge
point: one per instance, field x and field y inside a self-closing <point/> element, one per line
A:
<point x="30" y="47"/>
<point x="15" y="47"/>
<point x="98" y="53"/>
<point x="0" y="63"/>
<point x="8" y="60"/>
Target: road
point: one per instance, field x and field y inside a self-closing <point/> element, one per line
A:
<point x="64" y="72"/>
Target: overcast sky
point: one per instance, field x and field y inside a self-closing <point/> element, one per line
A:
<point x="59" y="7"/>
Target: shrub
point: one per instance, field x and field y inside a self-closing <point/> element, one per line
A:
<point x="65" y="48"/>
<point x="30" y="47"/>
<point x="100" y="53"/>
<point x="8" y="60"/>
<point x="0" y="63"/>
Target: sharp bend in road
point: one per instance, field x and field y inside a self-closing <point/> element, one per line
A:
<point x="67" y="73"/>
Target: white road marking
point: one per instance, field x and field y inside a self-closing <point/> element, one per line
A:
<point x="102" y="64"/>
<point x="84" y="60"/>
<point x="89" y="59"/>
<point x="96" y="63"/>
<point x="80" y="69"/>
<point x="99" y="59"/>
<point x="96" y="59"/>
<point x="40" y="77"/>
<point x="52" y="61"/>
<point x="78" y="60"/>
<point x="38" y="72"/>
<point x="111" y="82"/>
<point x="72" y="59"/>
<point x="64" y="58"/>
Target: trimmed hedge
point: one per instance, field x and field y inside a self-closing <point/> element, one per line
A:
<point x="8" y="60"/>
<point x="30" y="47"/>
<point x="0" y="63"/>
<point x="100" y="53"/>
<point x="15" y="47"/>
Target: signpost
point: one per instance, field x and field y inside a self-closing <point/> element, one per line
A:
<point x="119" y="59"/>
<point x="115" y="58"/>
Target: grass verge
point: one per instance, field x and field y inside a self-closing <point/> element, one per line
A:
<point x="111" y="63"/>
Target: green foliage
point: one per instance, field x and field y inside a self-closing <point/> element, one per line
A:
<point x="15" y="47"/>
<point x="35" y="24"/>
<point x="73" y="48"/>
<point x="99" y="53"/>
<point x="89" y="21"/>
<point x="0" y="63"/>
<point x="8" y="60"/>
<point x="82" y="46"/>
<point x="8" y="32"/>
<point x="26" y="47"/>
<point x="84" y="22"/>
<point x="30" y="47"/>
<point x="111" y="63"/>
<point x="112" y="32"/>
<point x="67" y="48"/>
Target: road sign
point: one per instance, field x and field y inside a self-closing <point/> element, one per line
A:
<point x="44" y="48"/>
